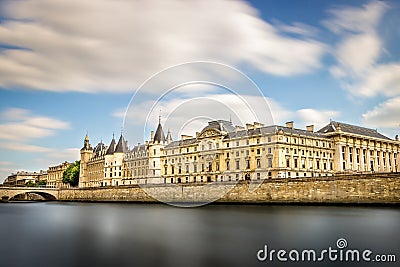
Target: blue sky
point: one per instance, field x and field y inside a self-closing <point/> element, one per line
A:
<point x="67" y="68"/>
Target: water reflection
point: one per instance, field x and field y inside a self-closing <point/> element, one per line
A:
<point x="85" y="234"/>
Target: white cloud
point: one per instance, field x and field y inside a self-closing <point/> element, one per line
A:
<point x="318" y="118"/>
<point x="69" y="154"/>
<point x="386" y="114"/>
<point x="356" y="19"/>
<point x="21" y="124"/>
<point x="21" y="147"/>
<point x="361" y="45"/>
<point x="298" y="28"/>
<point x="384" y="80"/>
<point x="114" y="45"/>
<point x="358" y="53"/>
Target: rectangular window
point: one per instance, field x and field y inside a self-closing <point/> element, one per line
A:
<point x="187" y="168"/>
<point x="227" y="165"/>
<point x="258" y="176"/>
<point x="295" y="163"/>
<point x="247" y="164"/>
<point x="237" y="165"/>
<point x="258" y="163"/>
<point x="258" y="151"/>
<point x="351" y="154"/>
<point x="269" y="162"/>
<point x="194" y="167"/>
<point x="287" y="163"/>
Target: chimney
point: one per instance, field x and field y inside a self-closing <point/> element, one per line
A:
<point x="184" y="137"/>
<point x="152" y="136"/>
<point x="289" y="124"/>
<point x="258" y="125"/>
<point x="396" y="137"/>
<point x="126" y="145"/>
<point x="239" y="128"/>
<point x="249" y="126"/>
<point x="310" y="128"/>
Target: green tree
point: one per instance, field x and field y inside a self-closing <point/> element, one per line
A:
<point x="41" y="183"/>
<point x="30" y="184"/>
<point x="71" y="174"/>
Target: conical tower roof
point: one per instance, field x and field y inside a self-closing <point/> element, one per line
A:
<point x="120" y="145"/>
<point x="111" y="148"/>
<point x="159" y="135"/>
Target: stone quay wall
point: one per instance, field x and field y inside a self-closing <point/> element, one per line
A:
<point x="382" y="188"/>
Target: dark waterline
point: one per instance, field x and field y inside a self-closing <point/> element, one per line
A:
<point x="116" y="234"/>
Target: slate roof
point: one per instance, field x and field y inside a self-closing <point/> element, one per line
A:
<point x="120" y="148"/>
<point x="353" y="129"/>
<point x="220" y="125"/>
<point x="159" y="135"/>
<point x="100" y="146"/>
<point x="111" y="148"/>
<point x="272" y="129"/>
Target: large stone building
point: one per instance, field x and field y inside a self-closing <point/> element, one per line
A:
<point x="222" y="152"/>
<point x="55" y="175"/>
<point x="102" y="166"/>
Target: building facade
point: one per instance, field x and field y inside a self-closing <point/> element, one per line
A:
<point x="20" y="178"/>
<point x="55" y="175"/>
<point x="222" y="152"/>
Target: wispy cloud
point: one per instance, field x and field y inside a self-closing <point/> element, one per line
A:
<point x="386" y="114"/>
<point x="21" y="125"/>
<point x="359" y="68"/>
<point x="116" y="45"/>
<point x="361" y="45"/>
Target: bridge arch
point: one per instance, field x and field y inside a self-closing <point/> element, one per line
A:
<point x="45" y="195"/>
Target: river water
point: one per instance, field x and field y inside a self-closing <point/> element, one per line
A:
<point x="114" y="234"/>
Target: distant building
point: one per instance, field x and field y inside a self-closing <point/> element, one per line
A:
<point x="222" y="152"/>
<point x="55" y="175"/>
<point x="43" y="176"/>
<point x="20" y="178"/>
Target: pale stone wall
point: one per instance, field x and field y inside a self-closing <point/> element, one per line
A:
<point x="345" y="189"/>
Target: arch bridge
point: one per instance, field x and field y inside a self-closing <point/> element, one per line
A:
<point x="8" y="193"/>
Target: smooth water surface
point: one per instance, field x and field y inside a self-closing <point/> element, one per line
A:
<point x="114" y="234"/>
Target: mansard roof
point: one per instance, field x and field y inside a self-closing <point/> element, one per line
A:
<point x="333" y="127"/>
<point x="220" y="125"/>
<point x="159" y="135"/>
<point x="111" y="148"/>
<point x="272" y="129"/>
<point x="100" y="147"/>
<point x="184" y="142"/>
